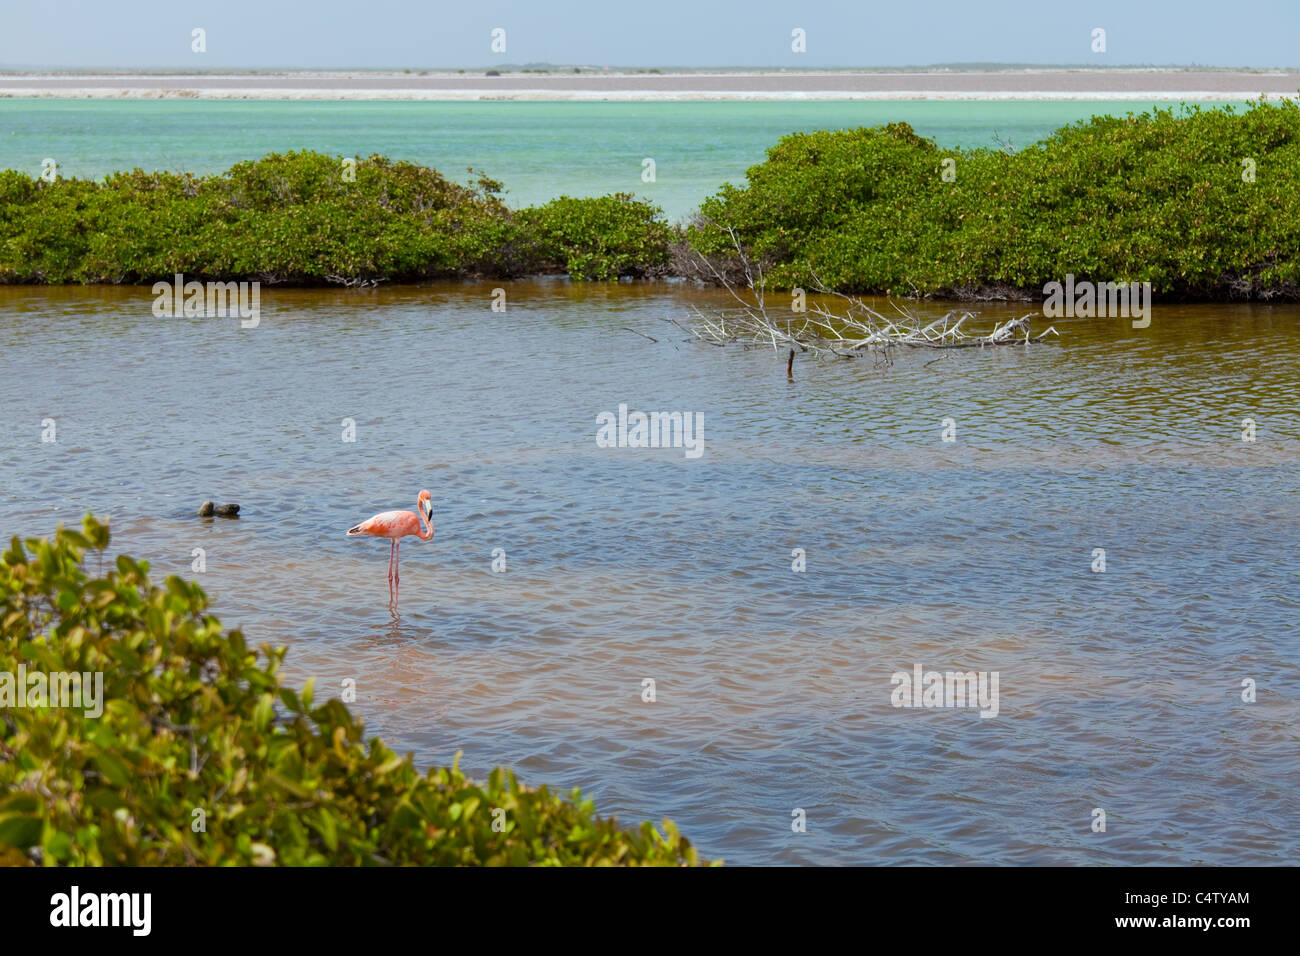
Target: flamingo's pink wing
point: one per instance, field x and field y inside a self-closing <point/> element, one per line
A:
<point x="386" y="524"/>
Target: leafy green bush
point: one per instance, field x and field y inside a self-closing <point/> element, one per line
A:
<point x="285" y="218"/>
<point x="194" y="720"/>
<point x="295" y="218"/>
<point x="602" y="238"/>
<point x="1158" y="197"/>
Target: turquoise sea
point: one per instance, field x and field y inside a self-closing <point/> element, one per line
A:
<point x="538" y="150"/>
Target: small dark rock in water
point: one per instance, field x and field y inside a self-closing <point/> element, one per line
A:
<point x="206" y="509"/>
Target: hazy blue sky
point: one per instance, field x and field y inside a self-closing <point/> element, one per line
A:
<point x="434" y="34"/>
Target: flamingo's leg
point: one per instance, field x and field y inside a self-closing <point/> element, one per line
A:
<point x="397" y="574"/>
<point x="391" y="552"/>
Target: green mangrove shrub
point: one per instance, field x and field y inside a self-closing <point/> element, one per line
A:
<point x="200" y="754"/>
<point x="602" y="238"/>
<point x="309" y="219"/>
<point x="1200" y="203"/>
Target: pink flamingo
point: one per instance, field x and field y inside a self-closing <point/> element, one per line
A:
<point x="395" y="525"/>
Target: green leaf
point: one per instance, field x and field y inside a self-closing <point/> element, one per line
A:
<point x="263" y="712"/>
<point x="20" y="830"/>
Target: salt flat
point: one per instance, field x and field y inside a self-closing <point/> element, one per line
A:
<point x="1037" y="84"/>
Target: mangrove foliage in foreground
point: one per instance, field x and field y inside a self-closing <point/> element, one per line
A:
<point x="185" y="747"/>
<point x="1199" y="203"/>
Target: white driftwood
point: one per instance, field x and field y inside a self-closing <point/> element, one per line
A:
<point x="855" y="330"/>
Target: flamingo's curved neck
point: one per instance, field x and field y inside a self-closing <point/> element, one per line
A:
<point x="424" y="522"/>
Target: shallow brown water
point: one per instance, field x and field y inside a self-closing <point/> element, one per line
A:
<point x="1119" y="690"/>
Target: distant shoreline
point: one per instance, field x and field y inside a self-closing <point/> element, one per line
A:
<point x="1004" y="84"/>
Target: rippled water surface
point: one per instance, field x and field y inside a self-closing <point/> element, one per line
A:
<point x="1119" y="690"/>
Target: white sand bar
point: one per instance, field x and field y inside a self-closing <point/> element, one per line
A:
<point x="1036" y="84"/>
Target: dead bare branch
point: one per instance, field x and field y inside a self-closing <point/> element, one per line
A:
<point x="854" y="330"/>
<point x="624" y="328"/>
